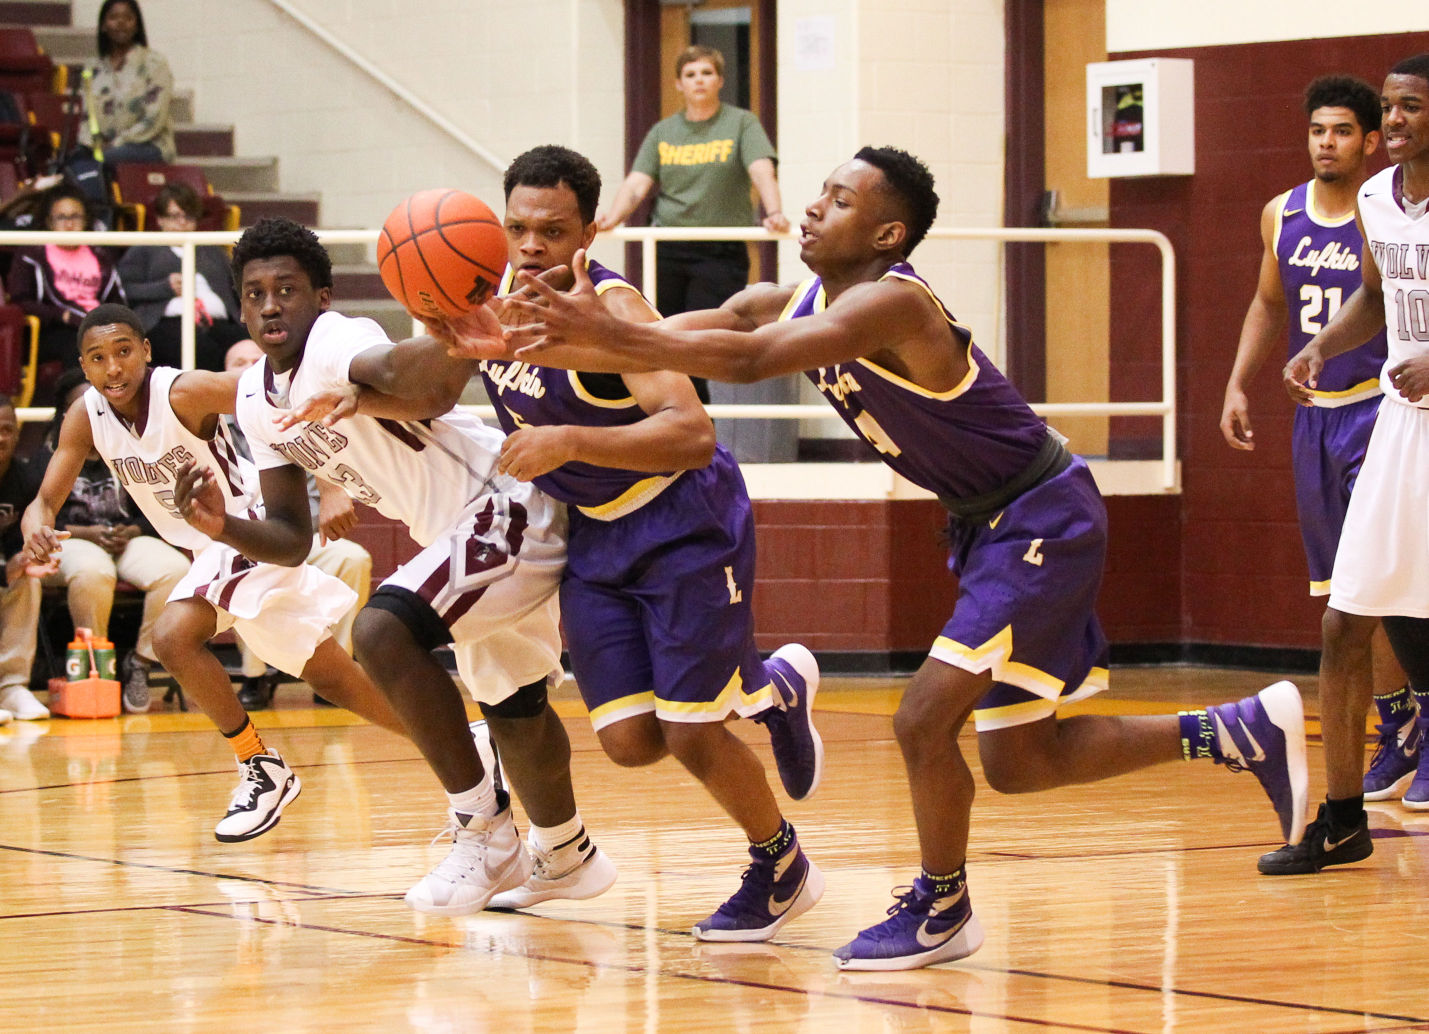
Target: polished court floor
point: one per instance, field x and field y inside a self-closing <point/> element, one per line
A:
<point x="1132" y="905"/>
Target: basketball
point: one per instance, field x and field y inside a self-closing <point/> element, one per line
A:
<point x="441" y="252"/>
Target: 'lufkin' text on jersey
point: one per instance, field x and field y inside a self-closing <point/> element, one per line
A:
<point x="1333" y="255"/>
<point x="1395" y="262"/>
<point x="514" y="376"/>
<point x="133" y="471"/>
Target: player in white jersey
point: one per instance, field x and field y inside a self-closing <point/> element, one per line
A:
<point x="1382" y="565"/>
<point x="493" y="550"/>
<point x="149" y="423"/>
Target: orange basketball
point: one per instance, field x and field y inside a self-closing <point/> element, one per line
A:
<point x="441" y="252"/>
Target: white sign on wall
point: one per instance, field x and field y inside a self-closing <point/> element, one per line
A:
<point x="814" y="43"/>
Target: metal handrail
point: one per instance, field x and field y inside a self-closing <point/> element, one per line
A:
<point x="647" y="236"/>
<point x="428" y="112"/>
<point x="1165" y="407"/>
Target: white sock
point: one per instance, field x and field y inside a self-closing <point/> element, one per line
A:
<point x="479" y="800"/>
<point x="546" y="839"/>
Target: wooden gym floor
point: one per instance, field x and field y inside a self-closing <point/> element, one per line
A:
<point x="1132" y="905"/>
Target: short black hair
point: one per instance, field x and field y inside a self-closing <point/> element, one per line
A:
<point x="1416" y="65"/>
<point x="277" y="237"/>
<point x="105" y="315"/>
<point x="65" y="190"/>
<point x="550" y="165"/>
<point x="140" y="36"/>
<point x="912" y="183"/>
<point x="1345" y="91"/>
<point x="70" y="377"/>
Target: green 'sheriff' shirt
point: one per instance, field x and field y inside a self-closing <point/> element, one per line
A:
<point x="701" y="169"/>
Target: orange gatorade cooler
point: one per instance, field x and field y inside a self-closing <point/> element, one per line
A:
<point x="84" y="692"/>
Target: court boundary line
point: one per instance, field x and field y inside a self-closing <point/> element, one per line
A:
<point x="634" y="968"/>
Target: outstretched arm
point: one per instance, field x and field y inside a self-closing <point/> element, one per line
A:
<point x="1259" y="333"/>
<point x="750" y="345"/>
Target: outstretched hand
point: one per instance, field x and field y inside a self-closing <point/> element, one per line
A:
<point x="476" y="334"/>
<point x="199" y="500"/>
<point x="324" y="407"/>
<point x="576" y="317"/>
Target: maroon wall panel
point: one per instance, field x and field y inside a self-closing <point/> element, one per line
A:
<point x="1243" y="577"/>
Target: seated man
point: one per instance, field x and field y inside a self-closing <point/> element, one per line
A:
<point x="19" y="590"/>
<point x="344" y="559"/>
<point x="108" y="541"/>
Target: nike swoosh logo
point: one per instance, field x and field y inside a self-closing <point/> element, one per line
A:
<point x="994" y="522"/>
<point x="1259" y="751"/>
<point x="1293" y="211"/>
<point x="933" y="940"/>
<point x="778" y="907"/>
<point x="250" y="394"/>
<point x="1334" y="845"/>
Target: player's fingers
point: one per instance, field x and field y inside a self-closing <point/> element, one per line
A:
<point x="541" y="287"/>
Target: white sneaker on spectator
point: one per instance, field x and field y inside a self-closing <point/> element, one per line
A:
<point x="6" y="717"/>
<point x="22" y="704"/>
<point x="487" y="857"/>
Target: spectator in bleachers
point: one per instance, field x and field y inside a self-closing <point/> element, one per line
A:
<point x="22" y="210"/>
<point x="60" y="283"/>
<point x="129" y="96"/>
<point x="19" y="590"/>
<point x="151" y="283"/>
<point x="109" y="540"/>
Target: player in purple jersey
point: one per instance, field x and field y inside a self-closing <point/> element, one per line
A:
<point x="1309" y="266"/>
<point x="1028" y="531"/>
<point x="1382" y="564"/>
<point x="657" y="594"/>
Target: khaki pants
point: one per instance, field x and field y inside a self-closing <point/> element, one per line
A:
<point x="19" y="618"/>
<point x="89" y="574"/>
<point x="350" y="564"/>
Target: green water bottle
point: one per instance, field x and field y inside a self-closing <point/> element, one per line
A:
<point x="105" y="659"/>
<point x="77" y="656"/>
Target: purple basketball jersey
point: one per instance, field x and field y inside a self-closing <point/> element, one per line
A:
<point x="957" y="444"/>
<point x="528" y="395"/>
<point x="1319" y="269"/>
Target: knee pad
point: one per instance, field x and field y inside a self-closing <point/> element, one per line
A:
<point x="415" y="613"/>
<point x="1410" y="639"/>
<point x="526" y="702"/>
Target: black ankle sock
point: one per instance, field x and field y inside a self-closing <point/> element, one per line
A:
<point x="777" y="844"/>
<point x="1347" y="813"/>
<point x="944" y="885"/>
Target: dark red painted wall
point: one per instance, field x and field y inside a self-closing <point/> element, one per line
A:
<point x="1243" y="577"/>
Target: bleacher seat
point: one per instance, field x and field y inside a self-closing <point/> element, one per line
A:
<point x="24" y="66"/>
<point x="19" y="350"/>
<point x="136" y="183"/>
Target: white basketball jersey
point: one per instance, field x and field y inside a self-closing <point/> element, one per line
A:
<point x="1400" y="246"/>
<point x="422" y="473"/>
<point x="146" y="464"/>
